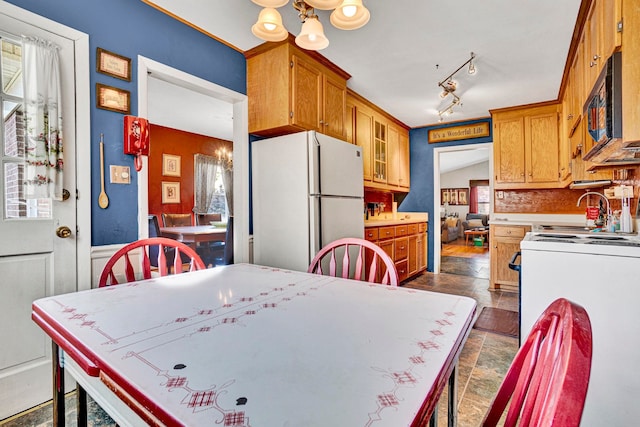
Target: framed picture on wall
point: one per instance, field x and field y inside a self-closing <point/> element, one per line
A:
<point x="170" y="165"/>
<point x="170" y="192"/>
<point x="455" y="196"/>
<point x="113" y="65"/>
<point x="444" y="196"/>
<point x="113" y="99"/>
<point x="463" y="196"/>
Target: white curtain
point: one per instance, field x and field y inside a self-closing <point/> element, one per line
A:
<point x="43" y="112"/>
<point x="205" y="170"/>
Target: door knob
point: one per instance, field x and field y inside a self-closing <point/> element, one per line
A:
<point x="63" y="232"/>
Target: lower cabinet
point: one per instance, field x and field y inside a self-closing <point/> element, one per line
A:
<point x="406" y="244"/>
<point x="504" y="242"/>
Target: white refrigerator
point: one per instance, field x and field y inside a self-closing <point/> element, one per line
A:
<point x="307" y="191"/>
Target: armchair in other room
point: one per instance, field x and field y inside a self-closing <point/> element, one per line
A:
<point x="477" y="221"/>
<point x="451" y="229"/>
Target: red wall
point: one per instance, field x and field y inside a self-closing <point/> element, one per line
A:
<point x="178" y="143"/>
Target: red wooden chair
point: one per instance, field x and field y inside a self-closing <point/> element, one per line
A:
<point x="370" y="258"/>
<point x="179" y="252"/>
<point x="547" y="382"/>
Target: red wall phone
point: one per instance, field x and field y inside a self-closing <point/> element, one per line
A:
<point x="136" y="138"/>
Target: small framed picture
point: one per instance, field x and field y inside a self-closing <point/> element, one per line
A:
<point x="170" y="165"/>
<point x="170" y="192"/>
<point x="113" y="99"/>
<point x="113" y="65"/>
<point x="444" y="196"/>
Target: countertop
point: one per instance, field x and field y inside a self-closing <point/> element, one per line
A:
<point x="400" y="218"/>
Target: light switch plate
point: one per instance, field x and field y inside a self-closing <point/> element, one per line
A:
<point x="120" y="174"/>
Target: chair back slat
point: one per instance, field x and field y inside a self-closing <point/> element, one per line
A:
<point x="546" y="384"/>
<point x="346" y="264"/>
<point x="366" y="251"/>
<point x="108" y="276"/>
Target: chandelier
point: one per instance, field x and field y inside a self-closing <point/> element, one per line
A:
<point x="449" y="87"/>
<point x="346" y="15"/>
<point x="225" y="158"/>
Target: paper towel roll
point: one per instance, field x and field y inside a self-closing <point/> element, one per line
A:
<point x="394" y="209"/>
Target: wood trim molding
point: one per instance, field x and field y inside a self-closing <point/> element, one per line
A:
<point x="190" y="24"/>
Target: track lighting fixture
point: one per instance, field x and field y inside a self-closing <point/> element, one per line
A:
<point x="449" y="87"/>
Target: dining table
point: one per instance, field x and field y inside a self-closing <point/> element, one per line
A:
<point x="193" y="234"/>
<point x="251" y="345"/>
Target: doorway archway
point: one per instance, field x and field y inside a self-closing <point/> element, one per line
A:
<point x="148" y="68"/>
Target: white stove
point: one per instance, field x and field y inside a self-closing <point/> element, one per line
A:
<point x="599" y="271"/>
<point x="582" y="240"/>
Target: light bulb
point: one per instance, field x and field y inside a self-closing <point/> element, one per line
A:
<point x="269" y="26"/>
<point x="349" y="11"/>
<point x="312" y="37"/>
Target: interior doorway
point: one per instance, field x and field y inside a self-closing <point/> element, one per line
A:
<point x="448" y="160"/>
<point x="149" y="69"/>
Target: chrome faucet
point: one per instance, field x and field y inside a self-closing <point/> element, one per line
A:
<point x="603" y="197"/>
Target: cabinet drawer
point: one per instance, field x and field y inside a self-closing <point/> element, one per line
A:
<point x="422" y="227"/>
<point x="371" y="234"/>
<point x="413" y="228"/>
<point x="401" y="230"/>
<point x="386" y="233"/>
<point x="501" y="231"/>
<point x="402" y="269"/>
<point x="401" y="249"/>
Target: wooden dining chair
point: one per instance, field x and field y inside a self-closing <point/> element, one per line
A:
<point x="142" y="248"/>
<point x="176" y="219"/>
<point x="547" y="382"/>
<point x="372" y="264"/>
<point x="207" y="218"/>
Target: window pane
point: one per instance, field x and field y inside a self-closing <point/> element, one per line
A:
<point x="483" y="194"/>
<point x="12" y="68"/>
<point x="18" y="203"/>
<point x="13" y="129"/>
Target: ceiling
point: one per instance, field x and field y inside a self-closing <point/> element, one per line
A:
<point x="398" y="58"/>
<point x="454" y="160"/>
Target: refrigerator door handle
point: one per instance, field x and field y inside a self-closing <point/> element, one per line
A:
<point x="314" y="165"/>
<point x="315" y="225"/>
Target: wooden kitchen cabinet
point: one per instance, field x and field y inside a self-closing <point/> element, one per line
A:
<point x="398" y="157"/>
<point x="291" y="90"/>
<point x="602" y="37"/>
<point x="526" y="146"/>
<point x="504" y="243"/>
<point x="405" y="244"/>
<point x="384" y="142"/>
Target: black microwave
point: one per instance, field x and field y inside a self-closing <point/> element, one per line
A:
<point x="603" y="109"/>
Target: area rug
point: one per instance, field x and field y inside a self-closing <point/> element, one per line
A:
<point x="498" y="321"/>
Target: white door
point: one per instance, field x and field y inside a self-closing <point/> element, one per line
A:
<point x="34" y="261"/>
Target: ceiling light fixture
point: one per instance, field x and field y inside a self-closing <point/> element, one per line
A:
<point x="347" y="15"/>
<point x="449" y="87"/>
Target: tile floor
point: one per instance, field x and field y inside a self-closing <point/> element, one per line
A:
<point x="486" y="356"/>
<point x="483" y="363"/>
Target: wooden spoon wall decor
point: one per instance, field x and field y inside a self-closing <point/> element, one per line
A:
<point x="103" y="200"/>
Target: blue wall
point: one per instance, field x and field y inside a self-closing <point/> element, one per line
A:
<point x="420" y="198"/>
<point x="131" y="28"/>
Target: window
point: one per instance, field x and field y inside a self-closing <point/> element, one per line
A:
<point x="17" y="202"/>
<point x="210" y="194"/>
<point x="483" y="199"/>
<point x="480" y="196"/>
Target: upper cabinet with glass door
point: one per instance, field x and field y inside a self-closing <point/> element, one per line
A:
<point x="379" y="151"/>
